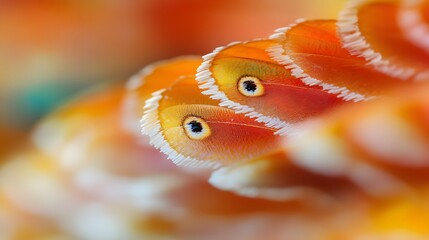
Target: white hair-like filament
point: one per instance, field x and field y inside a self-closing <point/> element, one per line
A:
<point x="207" y="84"/>
<point x="357" y="45"/>
<point x="277" y="53"/>
<point x="150" y="126"/>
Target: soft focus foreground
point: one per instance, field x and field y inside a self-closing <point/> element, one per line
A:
<point x="318" y="132"/>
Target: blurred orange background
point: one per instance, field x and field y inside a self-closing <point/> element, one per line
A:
<point x="77" y="170"/>
<point x="50" y="50"/>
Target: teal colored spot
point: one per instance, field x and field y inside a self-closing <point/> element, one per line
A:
<point x="37" y="101"/>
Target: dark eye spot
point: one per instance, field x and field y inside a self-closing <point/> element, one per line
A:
<point x="250" y="85"/>
<point x="196" y="127"/>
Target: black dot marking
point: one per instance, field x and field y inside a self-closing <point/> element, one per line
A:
<point x="196" y="127"/>
<point x="250" y="85"/>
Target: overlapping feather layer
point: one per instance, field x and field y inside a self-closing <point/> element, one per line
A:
<point x="320" y="131"/>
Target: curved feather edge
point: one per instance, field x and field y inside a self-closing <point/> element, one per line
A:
<point x="277" y="53"/>
<point x="356" y="44"/>
<point x="206" y="83"/>
<point x="221" y="180"/>
<point x="130" y="117"/>
<point x="150" y="126"/>
<point x="138" y="79"/>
